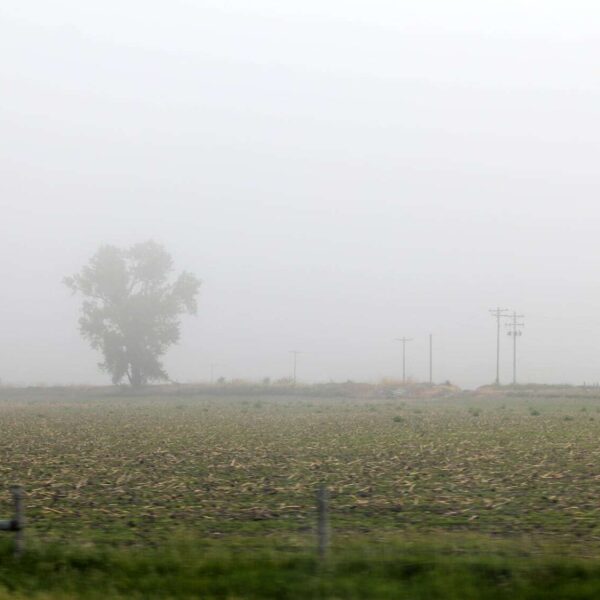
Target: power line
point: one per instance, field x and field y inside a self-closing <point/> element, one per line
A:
<point x="498" y="314"/>
<point x="404" y="340"/>
<point x="515" y="332"/>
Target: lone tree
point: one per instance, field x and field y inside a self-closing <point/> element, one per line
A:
<point x="131" y="308"/>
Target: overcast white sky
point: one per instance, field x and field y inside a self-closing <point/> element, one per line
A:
<point x="339" y="174"/>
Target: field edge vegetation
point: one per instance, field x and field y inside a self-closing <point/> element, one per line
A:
<point x="450" y="568"/>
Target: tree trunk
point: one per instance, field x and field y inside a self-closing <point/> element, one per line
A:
<point x="136" y="376"/>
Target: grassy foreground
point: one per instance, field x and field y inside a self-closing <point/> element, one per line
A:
<point x="186" y="570"/>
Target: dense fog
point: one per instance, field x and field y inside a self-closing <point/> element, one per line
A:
<point x="338" y="173"/>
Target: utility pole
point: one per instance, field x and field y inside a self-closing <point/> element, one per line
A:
<point x="430" y="359"/>
<point x="404" y="340"/>
<point x="514" y="330"/>
<point x="498" y="314"/>
<point x="295" y="353"/>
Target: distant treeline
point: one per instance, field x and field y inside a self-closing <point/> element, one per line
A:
<point x="387" y="388"/>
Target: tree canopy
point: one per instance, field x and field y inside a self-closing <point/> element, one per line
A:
<point x="131" y="308"/>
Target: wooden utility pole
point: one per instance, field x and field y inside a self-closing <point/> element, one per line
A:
<point x="295" y="365"/>
<point x="498" y="314"/>
<point x="515" y="332"/>
<point x="430" y="359"/>
<point x="404" y="340"/>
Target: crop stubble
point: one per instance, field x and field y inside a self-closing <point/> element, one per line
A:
<point x="137" y="469"/>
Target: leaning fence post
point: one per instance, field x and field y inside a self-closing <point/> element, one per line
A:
<point x="19" y="520"/>
<point x="323" y="522"/>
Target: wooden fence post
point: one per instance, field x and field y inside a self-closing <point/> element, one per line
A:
<point x="17" y="524"/>
<point x="19" y="521"/>
<point x="323" y="522"/>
